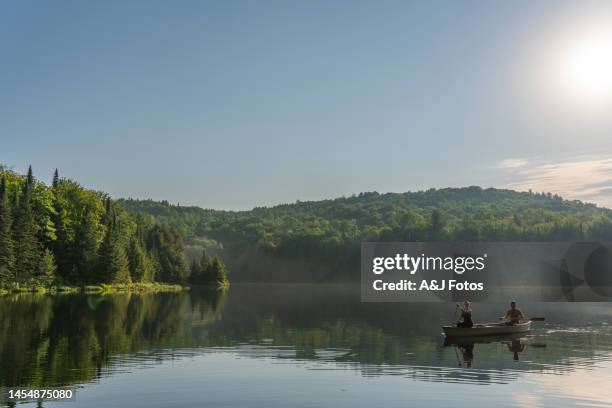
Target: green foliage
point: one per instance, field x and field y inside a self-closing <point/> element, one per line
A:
<point x="208" y="271"/>
<point x="436" y="224"/>
<point x="47" y="267"/>
<point x="7" y="257"/>
<point x="168" y="251"/>
<point x="114" y="264"/>
<point x="141" y="266"/>
<point x="25" y="233"/>
<point x="329" y="232"/>
<point x="61" y="245"/>
<point x="85" y="249"/>
<point x="68" y="235"/>
<point x="218" y="271"/>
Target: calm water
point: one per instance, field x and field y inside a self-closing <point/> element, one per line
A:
<point x="296" y="345"/>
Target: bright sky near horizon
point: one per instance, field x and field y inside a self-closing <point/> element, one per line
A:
<point x="234" y="104"/>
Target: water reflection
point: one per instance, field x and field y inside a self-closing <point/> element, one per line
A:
<point x="516" y="344"/>
<point x="74" y="339"/>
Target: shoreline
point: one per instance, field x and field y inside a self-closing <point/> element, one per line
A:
<point x="152" y="287"/>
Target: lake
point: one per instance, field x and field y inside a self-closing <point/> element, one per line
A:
<point x="297" y="346"/>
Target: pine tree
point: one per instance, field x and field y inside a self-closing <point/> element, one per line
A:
<point x="204" y="262"/>
<point x="219" y="273"/>
<point x="47" y="267"/>
<point x="30" y="177"/>
<point x="114" y="263"/>
<point x="118" y="264"/>
<point x="85" y="250"/>
<point x="55" y="183"/>
<point x="25" y="233"/>
<point x="61" y="246"/>
<point x="109" y="214"/>
<point x="199" y="270"/>
<point x="7" y="258"/>
<point x="208" y="271"/>
<point x="141" y="269"/>
<point x="169" y="254"/>
<point x="15" y="202"/>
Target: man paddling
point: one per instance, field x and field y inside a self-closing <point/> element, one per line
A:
<point x="514" y="315"/>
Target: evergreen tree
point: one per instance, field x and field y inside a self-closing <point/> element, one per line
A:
<point x="30" y="177"/>
<point x="200" y="270"/>
<point x="7" y="258"/>
<point x="61" y="246"/>
<point x="141" y="269"/>
<point x="118" y="265"/>
<point x="208" y="271"/>
<point x="15" y="202"/>
<point x="218" y="272"/>
<point x="204" y="262"/>
<point x="55" y="183"/>
<point x="85" y="250"/>
<point x="47" y="267"/>
<point x="108" y="216"/>
<point x="25" y="233"/>
<point x="169" y="251"/>
<point x="114" y="264"/>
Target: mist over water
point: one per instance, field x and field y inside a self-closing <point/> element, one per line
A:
<point x="296" y="345"/>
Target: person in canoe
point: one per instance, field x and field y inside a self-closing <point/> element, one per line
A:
<point x="513" y="315"/>
<point x="465" y="318"/>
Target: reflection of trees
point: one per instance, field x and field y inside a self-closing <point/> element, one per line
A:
<point x="206" y="305"/>
<point x="61" y="340"/>
<point x="330" y="323"/>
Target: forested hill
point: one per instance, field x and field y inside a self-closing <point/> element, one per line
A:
<point x="320" y="240"/>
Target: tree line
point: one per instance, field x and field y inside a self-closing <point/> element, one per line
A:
<point x="329" y="232"/>
<point x="64" y="234"/>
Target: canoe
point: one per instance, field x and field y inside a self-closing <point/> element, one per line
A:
<point x="486" y="329"/>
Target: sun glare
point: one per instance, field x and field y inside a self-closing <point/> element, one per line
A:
<point x="587" y="68"/>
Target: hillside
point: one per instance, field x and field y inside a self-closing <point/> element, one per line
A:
<point x="319" y="240"/>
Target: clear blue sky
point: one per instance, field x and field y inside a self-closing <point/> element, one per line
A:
<point x="234" y="104"/>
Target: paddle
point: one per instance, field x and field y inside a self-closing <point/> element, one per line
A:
<point x="531" y="319"/>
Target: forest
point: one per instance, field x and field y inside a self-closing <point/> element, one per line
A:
<point x="66" y="235"/>
<point x="326" y="234"/>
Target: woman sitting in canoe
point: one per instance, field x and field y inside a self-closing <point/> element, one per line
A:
<point x="465" y="320"/>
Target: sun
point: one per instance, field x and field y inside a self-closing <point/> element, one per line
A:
<point x="587" y="66"/>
